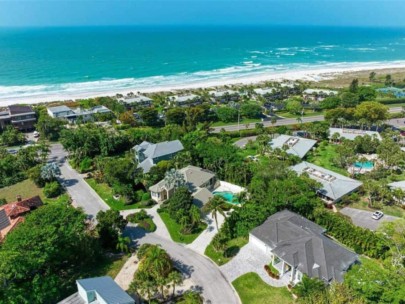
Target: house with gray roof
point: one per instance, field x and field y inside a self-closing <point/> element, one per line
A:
<point x="147" y="154"/>
<point x="263" y="92"/>
<point x="199" y="181"/>
<point x="296" y="246"/>
<point x="293" y="145"/>
<point x="137" y="100"/>
<point x="318" y="94"/>
<point x="224" y="96"/>
<point x="101" y="290"/>
<point x="334" y="186"/>
<point x="72" y="115"/>
<point x="351" y="134"/>
<point x="185" y="100"/>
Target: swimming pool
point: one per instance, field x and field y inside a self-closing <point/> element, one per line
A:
<point x="366" y="165"/>
<point x="228" y="196"/>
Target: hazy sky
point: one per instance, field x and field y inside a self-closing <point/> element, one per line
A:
<point x="215" y="12"/>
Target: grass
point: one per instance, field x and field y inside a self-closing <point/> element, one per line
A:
<point x="174" y="230"/>
<point x="273" y="269"/>
<point x="307" y="113"/>
<point x="106" y="193"/>
<point x="233" y="246"/>
<point x="252" y="290"/>
<point x="108" y="266"/>
<point x="242" y="122"/>
<point x="323" y="157"/>
<point x="26" y="189"/>
<point x="147" y="224"/>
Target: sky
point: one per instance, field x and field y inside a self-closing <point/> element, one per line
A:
<point x="21" y="13"/>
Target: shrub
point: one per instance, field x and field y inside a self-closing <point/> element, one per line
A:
<point x="271" y="273"/>
<point x="147" y="203"/>
<point x="35" y="175"/>
<point x="86" y="165"/>
<point x="146" y="196"/>
<point x="137" y="217"/>
<point x="3" y="201"/>
<point x="148" y="225"/>
<point x="139" y="195"/>
<point x="143" y="250"/>
<point x="52" y="189"/>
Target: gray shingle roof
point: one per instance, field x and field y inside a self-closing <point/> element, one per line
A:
<point x="297" y="146"/>
<point x="334" y="185"/>
<point x="201" y="197"/>
<point x="108" y="290"/>
<point x="302" y="244"/>
<point x="4" y="220"/>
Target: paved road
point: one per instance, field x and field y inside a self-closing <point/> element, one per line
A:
<point x="81" y="193"/>
<point x="205" y="274"/>
<point x="362" y="218"/>
<point x="282" y="122"/>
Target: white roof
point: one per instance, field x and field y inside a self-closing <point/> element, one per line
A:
<point x="264" y="91"/>
<point x="136" y="99"/>
<point x="398" y="185"/>
<point x="295" y="145"/>
<point x="334" y="185"/>
<point x="320" y="91"/>
<point x="351" y="134"/>
<point x="183" y="98"/>
<point x="222" y="93"/>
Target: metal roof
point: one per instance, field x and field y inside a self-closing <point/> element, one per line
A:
<point x="4" y="220"/>
<point x="334" y="185"/>
<point x="302" y="244"/>
<point x="107" y="289"/>
<point x="398" y="185"/>
<point x="59" y="109"/>
<point x="295" y="145"/>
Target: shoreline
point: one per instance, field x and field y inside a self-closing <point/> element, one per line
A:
<point x="314" y="74"/>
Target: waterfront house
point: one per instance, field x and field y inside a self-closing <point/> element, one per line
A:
<point x="351" y="134"/>
<point x="334" y="186"/>
<point x="200" y="183"/>
<point x="185" y="100"/>
<point x="296" y="246"/>
<point x="293" y="145"/>
<point x="72" y="115"/>
<point x="22" y="118"/>
<point x="101" y="290"/>
<point x="317" y="94"/>
<point x="148" y="154"/>
<point x="137" y="101"/>
<point x="225" y="96"/>
<point x="12" y="214"/>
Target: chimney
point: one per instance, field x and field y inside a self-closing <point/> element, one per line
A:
<point x="19" y="199"/>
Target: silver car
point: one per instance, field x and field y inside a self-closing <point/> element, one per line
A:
<point x="377" y="215"/>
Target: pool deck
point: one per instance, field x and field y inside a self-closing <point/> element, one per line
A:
<point x="228" y="187"/>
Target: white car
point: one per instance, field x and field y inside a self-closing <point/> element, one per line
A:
<point x="377" y="215"/>
<point x="36" y="134"/>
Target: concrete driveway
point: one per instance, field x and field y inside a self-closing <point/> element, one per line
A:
<point x="203" y="273"/>
<point x="362" y="218"/>
<point x="241" y="143"/>
<point x="81" y="193"/>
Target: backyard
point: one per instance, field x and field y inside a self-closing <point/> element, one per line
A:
<point x="323" y="156"/>
<point x="252" y="290"/>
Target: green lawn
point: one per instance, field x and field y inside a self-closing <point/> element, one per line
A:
<point x="308" y="113"/>
<point x="323" y="157"/>
<point x="389" y="210"/>
<point x="174" y="230"/>
<point x="242" y="122"/>
<point x="27" y="189"/>
<point x="108" y="266"/>
<point x="105" y="192"/>
<point x="252" y="290"/>
<point x="233" y="247"/>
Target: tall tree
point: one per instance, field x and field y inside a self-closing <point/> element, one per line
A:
<point x="215" y="206"/>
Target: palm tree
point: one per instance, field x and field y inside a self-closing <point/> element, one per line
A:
<point x="215" y="205"/>
<point x="192" y="297"/>
<point x="123" y="243"/>
<point x="195" y="215"/>
<point x="156" y="261"/>
<point x="175" y="278"/>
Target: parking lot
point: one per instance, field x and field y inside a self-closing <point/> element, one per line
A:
<point x="362" y="218"/>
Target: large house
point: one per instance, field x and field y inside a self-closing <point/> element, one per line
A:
<point x="297" y="246"/>
<point x="293" y="145"/>
<point x="318" y="94"/>
<point x="351" y="134"/>
<point x="199" y="181"/>
<point x="21" y="117"/>
<point x="101" y="290"/>
<point x="137" y="100"/>
<point x="185" y="100"/>
<point x="12" y="214"/>
<point x="72" y="115"/>
<point x="147" y="154"/>
<point x="334" y="186"/>
<point x="225" y="96"/>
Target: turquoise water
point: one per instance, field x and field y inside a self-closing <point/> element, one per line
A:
<point x="366" y="165"/>
<point x="228" y="196"/>
<point x="46" y="61"/>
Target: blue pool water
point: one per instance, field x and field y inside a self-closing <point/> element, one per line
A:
<point x="366" y="165"/>
<point x="228" y="196"/>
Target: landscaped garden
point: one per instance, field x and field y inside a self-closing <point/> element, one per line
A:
<point x="225" y="254"/>
<point x="252" y="290"/>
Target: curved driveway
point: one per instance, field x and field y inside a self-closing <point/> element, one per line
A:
<point x="205" y="274"/>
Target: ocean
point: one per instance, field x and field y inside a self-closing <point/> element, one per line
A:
<point x="43" y="63"/>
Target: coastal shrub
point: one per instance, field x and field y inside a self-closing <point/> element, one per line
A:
<point x="146" y="196"/>
<point x="52" y="189"/>
<point x="86" y="165"/>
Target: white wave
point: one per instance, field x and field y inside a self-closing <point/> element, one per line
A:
<point x="361" y="49"/>
<point x="228" y="75"/>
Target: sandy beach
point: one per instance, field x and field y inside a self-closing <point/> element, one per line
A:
<point x="330" y="75"/>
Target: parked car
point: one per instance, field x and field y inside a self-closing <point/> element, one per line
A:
<point x="377" y="215"/>
<point x="36" y="134"/>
